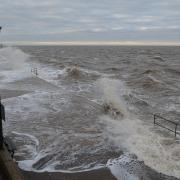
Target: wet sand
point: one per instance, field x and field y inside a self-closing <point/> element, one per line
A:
<point x="101" y="174"/>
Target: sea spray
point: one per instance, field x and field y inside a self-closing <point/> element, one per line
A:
<point x="13" y="57"/>
<point x="112" y="94"/>
<point x="157" y="152"/>
<point x="13" y="64"/>
<point x="136" y="136"/>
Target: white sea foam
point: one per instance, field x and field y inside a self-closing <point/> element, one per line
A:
<point x="119" y="167"/>
<point x="13" y="57"/>
<point x="33" y="138"/>
<point x="27" y="165"/>
<point x="28" y="146"/>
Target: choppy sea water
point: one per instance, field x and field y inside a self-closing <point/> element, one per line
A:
<point x="92" y="107"/>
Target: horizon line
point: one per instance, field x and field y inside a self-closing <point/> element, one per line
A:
<point x="107" y="43"/>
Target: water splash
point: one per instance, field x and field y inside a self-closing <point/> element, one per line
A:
<point x="13" y="64"/>
<point x="112" y="92"/>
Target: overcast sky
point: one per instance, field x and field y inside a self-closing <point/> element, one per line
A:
<point x="90" y="20"/>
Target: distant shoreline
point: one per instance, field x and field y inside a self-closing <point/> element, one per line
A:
<point x="92" y="43"/>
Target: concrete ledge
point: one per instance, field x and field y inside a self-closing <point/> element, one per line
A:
<point x="8" y="167"/>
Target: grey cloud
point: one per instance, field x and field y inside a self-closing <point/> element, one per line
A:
<point x="90" y="20"/>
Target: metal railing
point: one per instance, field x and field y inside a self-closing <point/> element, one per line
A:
<point x="175" y="124"/>
<point x="34" y="71"/>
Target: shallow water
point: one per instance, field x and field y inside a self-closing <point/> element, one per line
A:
<point x="61" y="123"/>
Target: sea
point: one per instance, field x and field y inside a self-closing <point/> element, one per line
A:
<point x="79" y="108"/>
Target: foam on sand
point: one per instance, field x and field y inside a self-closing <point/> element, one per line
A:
<point x="120" y="167"/>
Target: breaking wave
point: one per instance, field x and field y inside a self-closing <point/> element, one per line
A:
<point x="112" y="90"/>
<point x="77" y="73"/>
<point x="159" y="58"/>
<point x="136" y="136"/>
